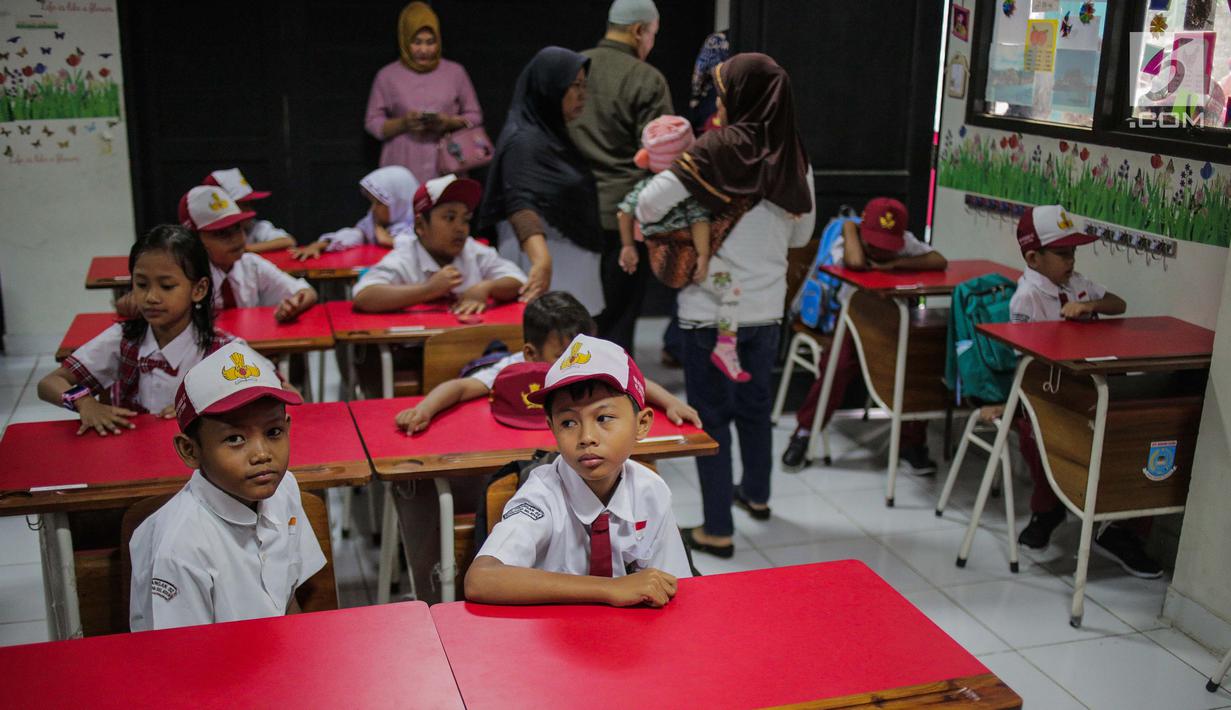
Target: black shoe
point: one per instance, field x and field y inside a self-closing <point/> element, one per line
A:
<point x="795" y="456"/>
<point x="743" y="503"/>
<point x="726" y="552"/>
<point x="1038" y="533"/>
<point x="1124" y="547"/>
<point x="915" y="461"/>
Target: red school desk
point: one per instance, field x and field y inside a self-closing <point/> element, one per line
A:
<point x="887" y="333"/>
<point x="330" y="266"/>
<point x="465" y="441"/>
<point x="825" y="635"/>
<point x="45" y="468"/>
<point x="1113" y="446"/>
<point x="108" y="272"/>
<point x="385" y="656"/>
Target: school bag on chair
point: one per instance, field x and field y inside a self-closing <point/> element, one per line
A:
<point x="976" y="366"/>
<point x="817" y="304"/>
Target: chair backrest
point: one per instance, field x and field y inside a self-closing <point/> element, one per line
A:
<point x="318" y="593"/>
<point x="446" y="353"/>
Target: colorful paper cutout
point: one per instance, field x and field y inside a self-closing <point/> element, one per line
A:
<point x="1040" y="52"/>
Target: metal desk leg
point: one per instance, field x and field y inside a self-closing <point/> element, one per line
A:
<point x="59" y="577"/>
<point x="993" y="460"/>
<point x="386" y="371"/>
<point x="1087" y="516"/>
<point x="448" y="568"/>
<point x="284" y="367"/>
<point x="320" y="379"/>
<point x="1216" y="679"/>
<point x="899" y="387"/>
<point x="389" y="538"/>
<point x="1009" y="511"/>
<point x="822" y="402"/>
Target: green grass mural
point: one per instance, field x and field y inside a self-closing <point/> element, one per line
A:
<point x="1193" y="203"/>
<point x="36" y="95"/>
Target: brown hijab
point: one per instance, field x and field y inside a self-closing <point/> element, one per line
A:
<point x="418" y="16"/>
<point x="758" y="154"/>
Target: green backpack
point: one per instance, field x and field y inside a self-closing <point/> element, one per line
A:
<point x="977" y="366"/>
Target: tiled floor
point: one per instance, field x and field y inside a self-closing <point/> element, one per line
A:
<point x="1124" y="656"/>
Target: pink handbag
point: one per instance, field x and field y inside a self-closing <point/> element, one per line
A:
<point x="464" y="149"/>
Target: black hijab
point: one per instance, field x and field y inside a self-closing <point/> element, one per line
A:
<point x="536" y="165"/>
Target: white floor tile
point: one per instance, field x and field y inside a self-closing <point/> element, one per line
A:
<point x="16" y="369"/>
<point x="688" y="515"/>
<point x="9" y="396"/>
<point x="24" y="632"/>
<point x="830" y="479"/>
<point x="742" y="561"/>
<point x="962" y="627"/>
<point x="898" y="574"/>
<point x="1033" y="610"/>
<point x="18" y="543"/>
<point x="913" y="511"/>
<point x="1124" y="672"/>
<point x="1137" y="602"/>
<point x="1200" y="658"/>
<point x="1037" y="691"/>
<point x="21" y="593"/>
<point x="933" y="553"/>
<point x="795" y="520"/>
<point x="40" y="412"/>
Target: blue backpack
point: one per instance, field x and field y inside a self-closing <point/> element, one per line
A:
<point x="818" y="305"/>
<point x="977" y="366"/>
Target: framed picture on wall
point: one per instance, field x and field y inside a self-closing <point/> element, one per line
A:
<point x="961" y="23"/>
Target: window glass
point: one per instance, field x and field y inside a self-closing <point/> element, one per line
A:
<point x="1182" y="60"/>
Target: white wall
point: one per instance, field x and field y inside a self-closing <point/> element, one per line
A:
<point x="70" y="198"/>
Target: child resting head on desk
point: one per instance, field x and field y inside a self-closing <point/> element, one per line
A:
<point x="549" y="324"/>
<point x="262" y="235"/>
<point x="592" y="526"/>
<point x="441" y="259"/>
<point x="140" y="362"/>
<point x="235" y="542"/>
<point x="391" y="192"/>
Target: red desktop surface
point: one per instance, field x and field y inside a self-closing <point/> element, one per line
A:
<point x="386" y="656"/>
<point x="346" y="263"/>
<point x="416" y="320"/>
<point x="83" y="329"/>
<point x="750" y="639"/>
<point x="43" y="454"/>
<point x="107" y="271"/>
<point x="959" y="270"/>
<point x="1111" y="338"/>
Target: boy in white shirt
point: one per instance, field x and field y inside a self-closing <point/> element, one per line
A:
<point x="593" y="526"/>
<point x="235" y="542"/>
<point x="263" y="236"/>
<point x="442" y="260"/>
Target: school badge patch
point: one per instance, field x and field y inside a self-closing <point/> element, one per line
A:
<point x="163" y="588"/>
<point x="1160" y="463"/>
<point x="525" y="509"/>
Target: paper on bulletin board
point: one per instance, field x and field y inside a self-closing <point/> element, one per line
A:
<point x="1040" y="53"/>
<point x="1045" y="6"/>
<point x="1010" y="29"/>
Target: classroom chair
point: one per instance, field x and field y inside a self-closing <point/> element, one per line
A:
<point x="319" y="593"/>
<point x="970" y="435"/>
<point x="805" y="351"/>
<point x="1216" y="680"/>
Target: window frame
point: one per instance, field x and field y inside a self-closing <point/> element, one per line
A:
<point x="1112" y="98"/>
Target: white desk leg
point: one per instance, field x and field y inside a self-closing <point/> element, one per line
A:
<point x="320" y="379"/>
<point x="899" y="387"/>
<point x="389" y="538"/>
<point x="284" y="367"/>
<point x="448" y="568"/>
<point x="993" y="460"/>
<point x="1009" y="510"/>
<point x="59" y="577"/>
<point x="386" y="371"/>
<point x="1087" y="516"/>
<point x="349" y="375"/>
<point x="831" y="366"/>
<point x="1216" y="679"/>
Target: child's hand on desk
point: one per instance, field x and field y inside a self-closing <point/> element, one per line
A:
<point x="293" y="305"/>
<point x="473" y="300"/>
<point x="168" y="412"/>
<point x="649" y="586"/>
<point x="312" y="251"/>
<point x="444" y="281"/>
<point x="1077" y="310"/>
<point x="678" y="412"/>
<point x="102" y="418"/>
<point x="881" y="265"/>
<point x="413" y="420"/>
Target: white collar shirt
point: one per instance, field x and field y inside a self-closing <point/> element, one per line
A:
<point x="255" y="281"/>
<point x="1038" y="298"/>
<point x="263" y="230"/>
<point x="156" y="388"/>
<point x="546" y="523"/>
<point x="205" y="557"/>
<point x="409" y="263"/>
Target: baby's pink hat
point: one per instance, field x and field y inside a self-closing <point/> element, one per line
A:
<point x="662" y="141"/>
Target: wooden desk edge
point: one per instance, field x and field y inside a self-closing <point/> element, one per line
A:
<point x="410" y="467"/>
<point x="986" y="692"/>
<point x="123" y="493"/>
<point x="98" y="284"/>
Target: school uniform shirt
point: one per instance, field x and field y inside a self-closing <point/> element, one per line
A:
<point x="1039" y="299"/>
<point x="364" y="232"/>
<point x="99" y="359"/>
<point x="487" y="375"/>
<point x="411" y="264"/>
<point x="546" y="524"/>
<point x="255" y="281"/>
<point x="911" y="246"/>
<point x="264" y="231"/>
<point x="205" y="557"/>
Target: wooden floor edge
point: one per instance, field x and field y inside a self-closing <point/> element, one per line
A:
<point x="985" y="692"/>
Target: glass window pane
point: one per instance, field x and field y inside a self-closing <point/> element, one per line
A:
<point x="1182" y="55"/>
<point x="1043" y="62"/>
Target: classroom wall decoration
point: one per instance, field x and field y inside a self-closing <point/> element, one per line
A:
<point x="1181" y="199"/>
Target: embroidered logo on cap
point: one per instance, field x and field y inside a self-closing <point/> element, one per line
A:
<point x="575" y="357"/>
<point x="163" y="588"/>
<point x="240" y="370"/>
<point x="1064" y="222"/>
<point x="525" y="397"/>
<point x="218" y="204"/>
<point x="887" y="221"/>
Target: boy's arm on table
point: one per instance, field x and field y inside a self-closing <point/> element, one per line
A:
<point x="490" y="581"/>
<point x="931" y="261"/>
<point x="384" y="297"/>
<point x="676" y="409"/>
<point x="272" y="245"/>
<point x="443" y="396"/>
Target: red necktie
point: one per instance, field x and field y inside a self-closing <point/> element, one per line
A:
<point x="1063" y="299"/>
<point x="228" y="294"/>
<point x="600" y="546"/>
<point x="156" y="362"/>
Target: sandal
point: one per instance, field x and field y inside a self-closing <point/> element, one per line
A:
<point x="723" y="551"/>
<point x="744" y="503"/>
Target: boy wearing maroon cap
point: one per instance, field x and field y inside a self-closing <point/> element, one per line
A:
<point x="592" y="526"/>
<point x="878" y="241"/>
<point x="442" y="259"/>
<point x="262" y="235"/>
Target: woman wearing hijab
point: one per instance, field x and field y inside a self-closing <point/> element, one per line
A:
<point x="755" y="161"/>
<point x="420" y="97"/>
<point x="540" y="193"/>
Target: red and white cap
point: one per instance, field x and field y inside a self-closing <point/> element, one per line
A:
<point x="448" y="188"/>
<point x="884" y="224"/>
<point x="510" y="395"/>
<point x="1049" y="226"/>
<point x="210" y="208"/>
<point x="590" y="358"/>
<point x="229" y="378"/>
<point x="233" y="181"/>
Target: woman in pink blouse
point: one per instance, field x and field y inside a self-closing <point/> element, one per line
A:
<point x="420" y="97"/>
